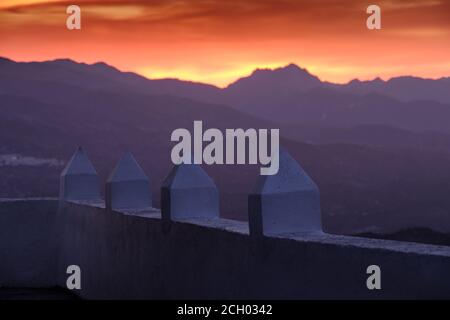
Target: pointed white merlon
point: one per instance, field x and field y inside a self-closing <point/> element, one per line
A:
<point x="188" y="192"/>
<point x="79" y="180"/>
<point x="128" y="187"/>
<point x="286" y="202"/>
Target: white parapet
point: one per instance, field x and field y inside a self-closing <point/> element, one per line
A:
<point x="128" y="187"/>
<point x="79" y="180"/>
<point x="287" y="202"/>
<point x="188" y="192"/>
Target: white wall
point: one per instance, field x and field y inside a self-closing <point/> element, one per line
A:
<point x="129" y="256"/>
<point x="139" y="256"/>
<point x="28" y="250"/>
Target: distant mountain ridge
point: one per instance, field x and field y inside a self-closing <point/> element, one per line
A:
<point x="288" y="79"/>
<point x="100" y="76"/>
<point x="286" y="95"/>
<point x="406" y="88"/>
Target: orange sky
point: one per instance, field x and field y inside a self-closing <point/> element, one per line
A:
<point x="218" y="41"/>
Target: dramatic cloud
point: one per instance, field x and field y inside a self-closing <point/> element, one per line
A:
<point x="218" y="41"/>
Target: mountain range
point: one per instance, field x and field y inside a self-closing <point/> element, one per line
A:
<point x="379" y="154"/>
<point x="288" y="95"/>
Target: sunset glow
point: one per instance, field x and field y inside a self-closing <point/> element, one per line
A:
<point x="219" y="41"/>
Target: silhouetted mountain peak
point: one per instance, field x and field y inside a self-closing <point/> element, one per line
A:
<point x="354" y="82"/>
<point x="104" y="66"/>
<point x="357" y="82"/>
<point x="291" y="70"/>
<point x="5" y="60"/>
<point x="378" y="80"/>
<point x="292" y="66"/>
<point x="290" y="78"/>
<point x="96" y="67"/>
<point x="62" y="62"/>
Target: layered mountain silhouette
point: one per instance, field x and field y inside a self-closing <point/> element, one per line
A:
<point x="285" y="95"/>
<point x="405" y="88"/>
<point x="379" y="156"/>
